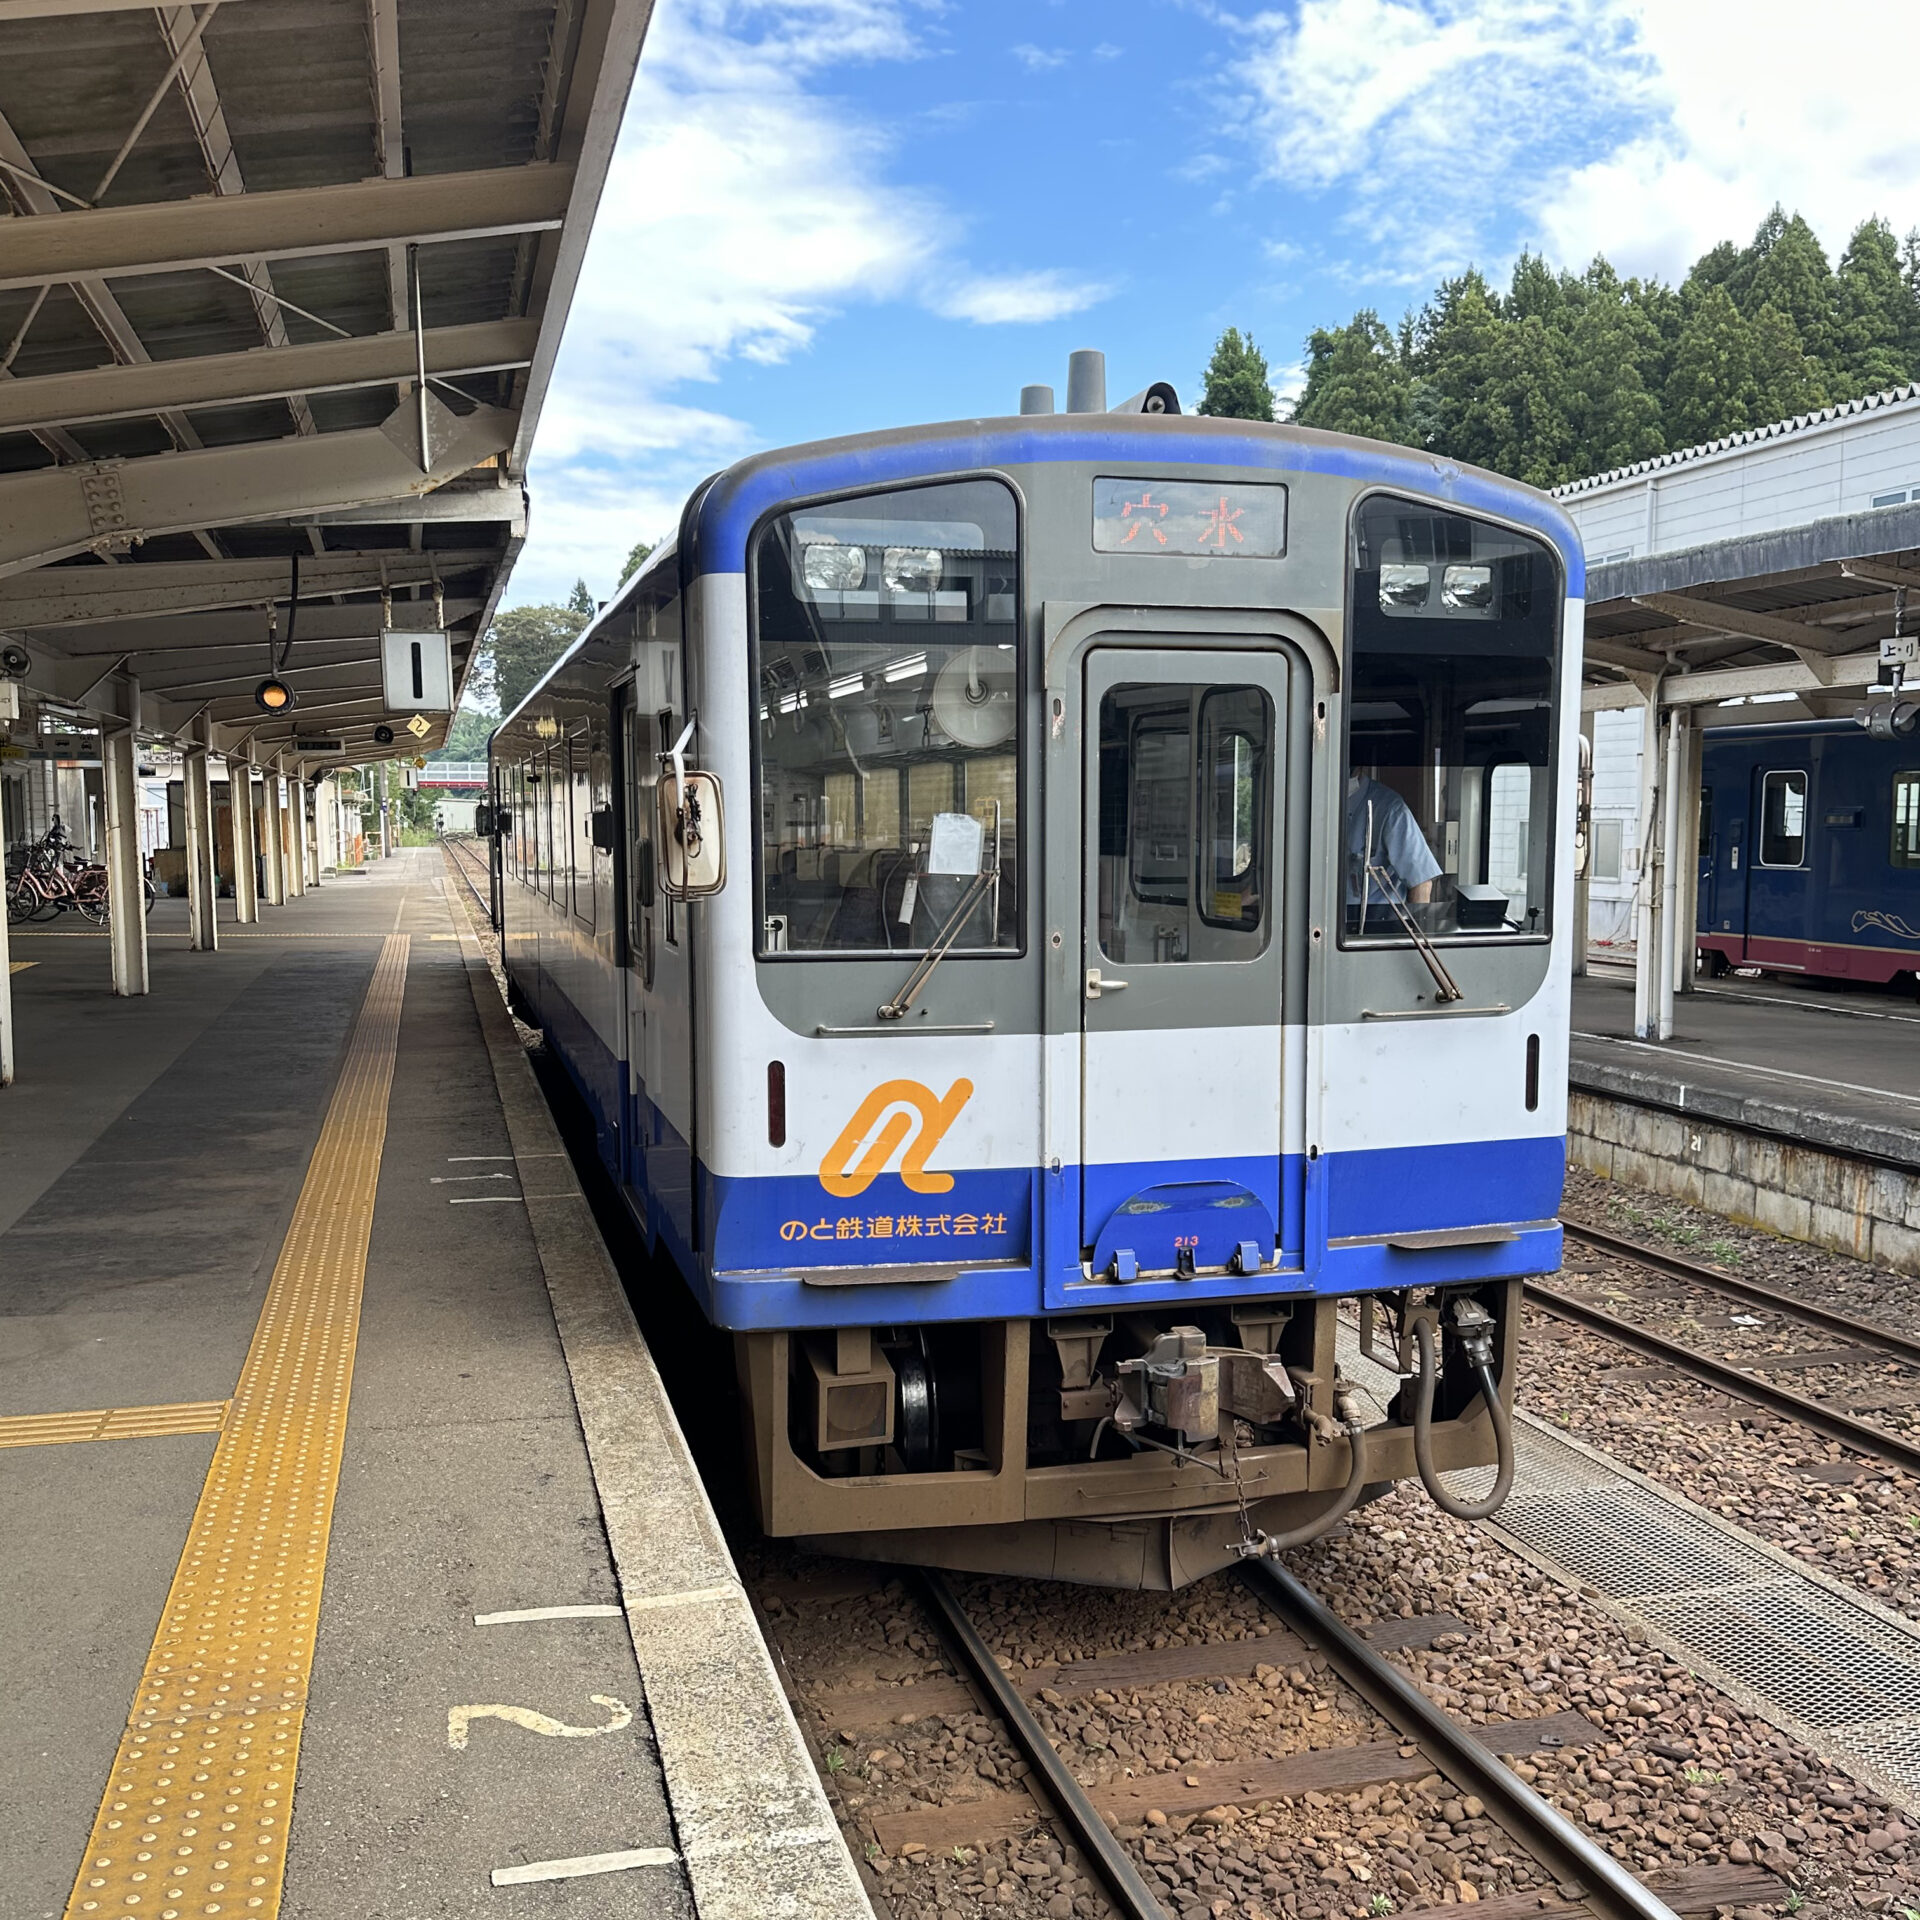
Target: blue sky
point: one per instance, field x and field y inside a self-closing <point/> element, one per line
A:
<point x="829" y="215"/>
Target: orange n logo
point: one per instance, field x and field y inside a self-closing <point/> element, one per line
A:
<point x="886" y="1119"/>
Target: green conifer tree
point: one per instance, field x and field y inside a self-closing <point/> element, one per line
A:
<point x="1710" y="386"/>
<point x="1237" y="384"/>
<point x="1786" y="379"/>
<point x="1786" y="267"/>
<point x="1356" y="382"/>
<point x="1874" y="320"/>
<point x="1612" y="415"/>
<point x="1459" y="353"/>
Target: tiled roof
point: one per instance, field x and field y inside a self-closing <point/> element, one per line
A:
<point x="1776" y="430"/>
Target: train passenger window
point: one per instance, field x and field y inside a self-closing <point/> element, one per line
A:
<point x="886" y="659"/>
<point x="1454" y="629"/>
<point x="1905" y="851"/>
<point x="1185" y="802"/>
<point x="1783" y="820"/>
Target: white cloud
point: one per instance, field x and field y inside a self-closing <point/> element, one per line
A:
<point x="742" y="212"/>
<point x="1757" y="102"/>
<point x="1423" y="113"/>
<point x="1448" y="130"/>
<point x="1016" y="298"/>
<point x="1040" y="59"/>
<point x="739" y="213"/>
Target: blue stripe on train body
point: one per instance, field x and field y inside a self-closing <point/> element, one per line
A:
<point x="1012" y="1235"/>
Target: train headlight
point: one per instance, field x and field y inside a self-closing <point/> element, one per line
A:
<point x="1403" y="585"/>
<point x="828" y="567"/>
<point x="911" y="569"/>
<point x="1467" y="588"/>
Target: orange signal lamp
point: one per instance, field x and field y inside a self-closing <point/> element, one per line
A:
<point x="273" y="696"/>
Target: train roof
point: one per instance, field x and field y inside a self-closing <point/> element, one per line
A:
<point x="754" y="485"/>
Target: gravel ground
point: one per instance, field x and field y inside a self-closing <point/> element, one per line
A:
<point x="1681" y="1778"/>
<point x="1854" y="1516"/>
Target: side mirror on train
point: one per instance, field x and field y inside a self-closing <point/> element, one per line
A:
<point x="483" y="821"/>
<point x="600" y="828"/>
<point x="691" y="836"/>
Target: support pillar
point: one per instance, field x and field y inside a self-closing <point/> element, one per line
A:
<point x="6" y="1002"/>
<point x="386" y="810"/>
<point x="246" y="865"/>
<point x="1686" y="917"/>
<point x="276" y="838"/>
<point x="126" y="893"/>
<point x="1583" y="880"/>
<point x="1671" y="865"/>
<point x="202" y="878"/>
<point x="297" y="835"/>
<point x="1646" y="891"/>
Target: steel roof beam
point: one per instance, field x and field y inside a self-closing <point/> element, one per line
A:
<point x="496" y="505"/>
<point x="50" y="514"/>
<point x="261" y="373"/>
<point x="1799" y="635"/>
<point x="209" y="635"/>
<point x="66" y="595"/>
<point x="170" y="236"/>
<point x="11" y="10"/>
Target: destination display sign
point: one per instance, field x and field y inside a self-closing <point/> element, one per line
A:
<point x="1195" y="518"/>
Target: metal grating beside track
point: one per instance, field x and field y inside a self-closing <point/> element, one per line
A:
<point x="1815" y="1658"/>
<point x="194" y="1821"/>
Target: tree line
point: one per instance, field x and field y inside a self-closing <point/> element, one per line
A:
<point x="1564" y="374"/>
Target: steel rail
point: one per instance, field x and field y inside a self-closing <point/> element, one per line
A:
<point x="1902" y="1346"/>
<point x="1128" y="1890"/>
<point x="448" y="842"/>
<point x="1550" y="1837"/>
<point x="1733" y="1380"/>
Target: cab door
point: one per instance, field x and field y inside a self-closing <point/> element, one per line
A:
<point x="1181" y="968"/>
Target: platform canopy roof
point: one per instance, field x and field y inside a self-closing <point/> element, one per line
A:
<point x="238" y="232"/>
<point x="1801" y="611"/>
<point x="1767" y="565"/>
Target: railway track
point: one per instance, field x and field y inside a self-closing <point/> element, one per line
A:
<point x="1738" y="1378"/>
<point x="466" y="863"/>
<point x="1586" y="1880"/>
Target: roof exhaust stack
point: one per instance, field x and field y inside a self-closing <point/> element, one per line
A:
<point x="1087" y="381"/>
<point x="1036" y="399"/>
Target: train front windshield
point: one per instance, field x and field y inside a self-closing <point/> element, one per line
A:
<point x="886" y="654"/>
<point x="1450" y="728"/>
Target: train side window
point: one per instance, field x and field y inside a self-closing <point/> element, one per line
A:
<point x="1783" y="819"/>
<point x="1905" y="850"/>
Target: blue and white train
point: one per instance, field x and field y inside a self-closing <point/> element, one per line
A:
<point x="1045" y="910"/>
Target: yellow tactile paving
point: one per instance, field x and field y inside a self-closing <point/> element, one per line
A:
<point x="111" y="1423"/>
<point x="193" y="1824"/>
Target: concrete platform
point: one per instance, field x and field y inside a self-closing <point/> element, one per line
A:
<point x="1824" y="1066"/>
<point x="507" y="1451"/>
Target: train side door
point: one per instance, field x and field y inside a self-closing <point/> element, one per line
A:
<point x="1778" y="888"/>
<point x="1181" y="963"/>
<point x="642" y="906"/>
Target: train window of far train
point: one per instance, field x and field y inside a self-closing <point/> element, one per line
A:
<point x="1905" y="851"/>
<point x="1453" y="669"/>
<point x="1783" y="820"/>
<point x="886" y="656"/>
